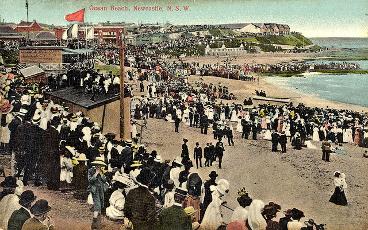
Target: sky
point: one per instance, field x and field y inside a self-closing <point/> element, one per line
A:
<point x="313" y="18"/>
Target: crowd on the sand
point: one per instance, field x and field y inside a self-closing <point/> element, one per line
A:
<point x="123" y="180"/>
<point x="66" y="151"/>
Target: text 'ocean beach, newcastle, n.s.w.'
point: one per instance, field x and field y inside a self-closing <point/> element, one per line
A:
<point x="140" y="8"/>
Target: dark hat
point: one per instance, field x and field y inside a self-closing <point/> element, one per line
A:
<point x="297" y="214"/>
<point x="180" y="195"/>
<point x="145" y="176"/>
<point x="27" y="197"/>
<point x="40" y="207"/>
<point x="110" y="136"/>
<point x="271" y="209"/>
<point x="288" y="212"/>
<point x="170" y="184"/>
<point x="9" y="182"/>
<point x="185" y="140"/>
<point x="244" y="200"/>
<point x="213" y="174"/>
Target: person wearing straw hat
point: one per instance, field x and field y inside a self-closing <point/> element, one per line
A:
<point x="40" y="219"/>
<point x="190" y="211"/>
<point x="97" y="187"/>
<point x="20" y="216"/>
<point x="80" y="178"/>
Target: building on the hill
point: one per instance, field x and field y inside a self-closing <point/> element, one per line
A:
<point x="8" y="33"/>
<point x="265" y="29"/>
<point x="223" y="51"/>
<point x="25" y="27"/>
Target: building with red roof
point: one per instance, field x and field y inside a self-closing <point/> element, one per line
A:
<point x="28" y="27"/>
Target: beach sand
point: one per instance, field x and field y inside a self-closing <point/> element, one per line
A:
<point x="297" y="179"/>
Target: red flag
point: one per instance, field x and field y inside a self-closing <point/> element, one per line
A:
<point x="76" y="16"/>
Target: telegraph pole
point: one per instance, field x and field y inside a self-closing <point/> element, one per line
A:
<point x="27" y="7"/>
<point x="124" y="101"/>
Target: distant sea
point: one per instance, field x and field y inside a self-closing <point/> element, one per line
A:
<point x="348" y="43"/>
<point x="346" y="88"/>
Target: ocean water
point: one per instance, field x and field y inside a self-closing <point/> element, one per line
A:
<point x="350" y="88"/>
<point x="363" y="64"/>
<point x="348" y="43"/>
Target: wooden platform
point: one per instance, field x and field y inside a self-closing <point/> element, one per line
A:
<point x="80" y="98"/>
<point x="105" y="109"/>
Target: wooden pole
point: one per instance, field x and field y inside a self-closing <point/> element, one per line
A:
<point x="124" y="101"/>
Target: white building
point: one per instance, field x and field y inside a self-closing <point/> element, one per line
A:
<point x="223" y="51"/>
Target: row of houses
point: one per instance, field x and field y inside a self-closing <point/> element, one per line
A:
<point x="259" y="28"/>
<point x="34" y="31"/>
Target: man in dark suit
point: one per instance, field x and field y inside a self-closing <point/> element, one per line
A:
<point x="185" y="150"/>
<point x="20" y="216"/>
<point x="177" y="122"/>
<point x="283" y="141"/>
<point x="206" y="153"/>
<point x="198" y="155"/>
<point x="230" y="136"/>
<point x="219" y="149"/>
<point x="52" y="155"/>
<point x="140" y="204"/>
<point x="204" y="124"/>
<point x="274" y="140"/>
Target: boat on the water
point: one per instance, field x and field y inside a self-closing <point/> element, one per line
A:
<point x="273" y="99"/>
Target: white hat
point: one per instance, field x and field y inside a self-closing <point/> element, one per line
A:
<point x="71" y="149"/>
<point x="99" y="161"/>
<point x="82" y="157"/>
<point x="25" y="100"/>
<point x="23" y="111"/>
<point x="122" y="179"/>
<point x="36" y="119"/>
<point x="158" y="159"/>
<point x="222" y="186"/>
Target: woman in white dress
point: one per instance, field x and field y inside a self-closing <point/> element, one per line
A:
<point x="239" y="127"/>
<point x="210" y="114"/>
<point x="222" y="115"/>
<point x="134" y="130"/>
<point x="212" y="218"/>
<point x="267" y="135"/>
<point x="348" y="136"/>
<point x="117" y="202"/>
<point x="315" y="134"/>
<point x="6" y="118"/>
<point x="154" y="90"/>
<point x="66" y="172"/>
<point x="287" y="129"/>
<point x="234" y="116"/>
<point x="186" y="116"/>
<point x="255" y="218"/>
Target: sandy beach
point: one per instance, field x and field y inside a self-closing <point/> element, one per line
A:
<point x="297" y="179"/>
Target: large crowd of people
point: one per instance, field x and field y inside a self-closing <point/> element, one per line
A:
<point x="125" y="181"/>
